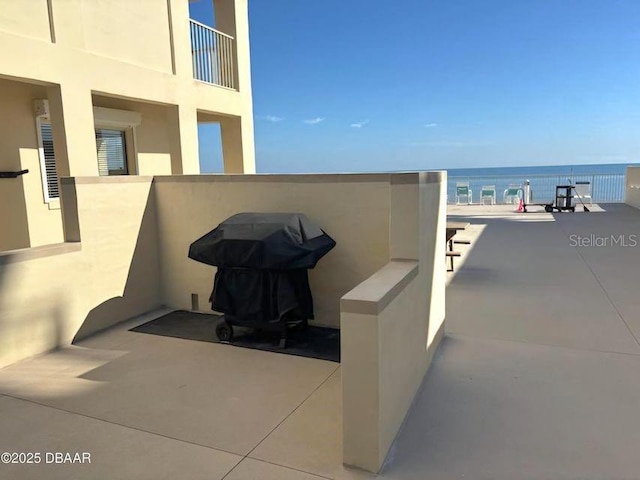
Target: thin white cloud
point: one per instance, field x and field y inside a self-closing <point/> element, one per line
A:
<point x="273" y="118"/>
<point x="452" y="144"/>
<point x="314" y="121"/>
<point x="359" y="124"/>
<point x="430" y="125"/>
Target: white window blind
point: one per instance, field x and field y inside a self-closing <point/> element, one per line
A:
<point x="48" y="162"/>
<point x="112" y="152"/>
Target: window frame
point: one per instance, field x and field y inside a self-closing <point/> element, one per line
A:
<point x="131" y="159"/>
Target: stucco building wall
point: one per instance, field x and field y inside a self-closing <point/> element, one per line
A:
<point x="78" y="54"/>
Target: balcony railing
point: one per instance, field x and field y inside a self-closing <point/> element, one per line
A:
<point x="605" y="187"/>
<point x="212" y="53"/>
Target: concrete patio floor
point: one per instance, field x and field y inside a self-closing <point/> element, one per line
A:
<point x="146" y="406"/>
<point x="538" y="377"/>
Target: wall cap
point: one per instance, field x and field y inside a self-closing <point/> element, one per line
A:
<point x="26" y="254"/>
<point x="105" y="179"/>
<point x="374" y="294"/>
<point x="383" y="177"/>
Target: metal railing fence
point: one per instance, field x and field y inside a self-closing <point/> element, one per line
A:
<point x="212" y="54"/>
<point x="605" y="187"/>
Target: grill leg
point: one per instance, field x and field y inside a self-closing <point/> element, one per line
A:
<point x="283" y="336"/>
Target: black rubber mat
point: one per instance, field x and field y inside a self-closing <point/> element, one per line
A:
<point x="314" y="342"/>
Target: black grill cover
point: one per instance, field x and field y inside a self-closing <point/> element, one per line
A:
<point x="256" y="296"/>
<point x="264" y="241"/>
<point x="262" y="261"/>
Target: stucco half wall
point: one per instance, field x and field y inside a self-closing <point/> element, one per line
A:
<point x="392" y="323"/>
<point x="106" y="272"/>
<point x="353" y="209"/>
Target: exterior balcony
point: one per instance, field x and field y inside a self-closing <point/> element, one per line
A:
<point x="213" y="56"/>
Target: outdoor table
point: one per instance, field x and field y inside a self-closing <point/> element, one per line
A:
<point x="452" y="229"/>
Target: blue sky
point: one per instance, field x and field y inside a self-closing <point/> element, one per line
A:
<point x="367" y="85"/>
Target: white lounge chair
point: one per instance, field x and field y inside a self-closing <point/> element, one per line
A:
<point x="463" y="190"/>
<point x="488" y="192"/>
<point x="583" y="191"/>
<point x="512" y="194"/>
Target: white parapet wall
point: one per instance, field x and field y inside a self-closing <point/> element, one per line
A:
<point x="632" y="191"/>
<point x="351" y="208"/>
<point x="391" y="324"/>
<point x="106" y="272"/>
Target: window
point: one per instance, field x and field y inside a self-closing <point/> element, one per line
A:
<point x="47" y="160"/>
<point x="115" y="140"/>
<point x="112" y="152"/>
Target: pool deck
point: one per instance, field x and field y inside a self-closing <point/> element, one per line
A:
<point x="537" y="377"/>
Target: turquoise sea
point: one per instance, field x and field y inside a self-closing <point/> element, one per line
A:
<point x="607" y="181"/>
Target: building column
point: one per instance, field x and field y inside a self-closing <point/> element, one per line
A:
<point x="74" y="140"/>
<point x="183" y="128"/>
<point x="232" y="18"/>
<point x="238" y="151"/>
<point x="180" y="38"/>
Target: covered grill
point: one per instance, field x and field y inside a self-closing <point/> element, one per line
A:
<point x="263" y="260"/>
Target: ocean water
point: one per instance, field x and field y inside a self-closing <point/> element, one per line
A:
<point x="607" y="181"/>
<point x="541" y="170"/>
